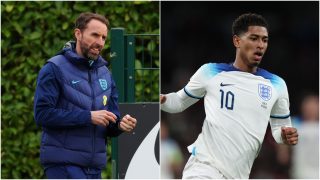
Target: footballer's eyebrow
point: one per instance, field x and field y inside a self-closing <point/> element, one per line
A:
<point x="258" y="36"/>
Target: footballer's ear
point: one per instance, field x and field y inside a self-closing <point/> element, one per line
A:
<point x="236" y="41"/>
<point x="77" y="34"/>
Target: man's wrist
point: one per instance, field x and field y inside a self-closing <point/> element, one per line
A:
<point x="118" y="122"/>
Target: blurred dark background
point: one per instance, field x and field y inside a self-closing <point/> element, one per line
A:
<point x="195" y="33"/>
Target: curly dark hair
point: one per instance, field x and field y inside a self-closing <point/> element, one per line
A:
<point x="241" y="24"/>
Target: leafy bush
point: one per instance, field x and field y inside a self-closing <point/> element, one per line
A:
<point x="32" y="32"/>
<point x="146" y="63"/>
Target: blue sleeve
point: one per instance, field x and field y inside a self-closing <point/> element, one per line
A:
<point x="112" y="129"/>
<point x="46" y="97"/>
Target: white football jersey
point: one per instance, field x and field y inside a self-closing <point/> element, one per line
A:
<point x="238" y="107"/>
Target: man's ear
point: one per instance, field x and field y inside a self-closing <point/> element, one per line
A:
<point x="236" y="41"/>
<point x="77" y="34"/>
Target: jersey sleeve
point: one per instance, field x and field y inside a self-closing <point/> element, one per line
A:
<point x="177" y="102"/>
<point x="280" y="109"/>
<point x="196" y="87"/>
<point x="280" y="113"/>
<point x="192" y="92"/>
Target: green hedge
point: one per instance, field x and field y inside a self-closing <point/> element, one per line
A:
<point x="31" y="33"/>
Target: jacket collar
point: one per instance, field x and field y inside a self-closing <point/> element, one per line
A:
<point x="69" y="52"/>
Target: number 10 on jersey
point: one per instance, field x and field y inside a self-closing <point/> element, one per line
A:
<point x="227" y="99"/>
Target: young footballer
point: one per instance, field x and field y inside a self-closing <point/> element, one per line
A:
<point x="239" y="100"/>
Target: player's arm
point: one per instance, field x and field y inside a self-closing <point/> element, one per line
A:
<point x="176" y="102"/>
<point x="190" y="94"/>
<point x="282" y="130"/>
<point x="280" y="120"/>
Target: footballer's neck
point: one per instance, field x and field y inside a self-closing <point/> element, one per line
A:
<point x="241" y="65"/>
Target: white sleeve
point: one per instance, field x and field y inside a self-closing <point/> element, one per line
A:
<point x="191" y="93"/>
<point x="177" y="102"/>
<point x="196" y="87"/>
<point x="280" y="113"/>
<point x="276" y="125"/>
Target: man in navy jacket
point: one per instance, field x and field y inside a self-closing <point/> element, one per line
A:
<point x="76" y="104"/>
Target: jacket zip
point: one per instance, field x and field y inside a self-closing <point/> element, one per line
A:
<point x="92" y="108"/>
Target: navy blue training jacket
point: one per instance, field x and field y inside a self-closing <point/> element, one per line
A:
<point x="68" y="88"/>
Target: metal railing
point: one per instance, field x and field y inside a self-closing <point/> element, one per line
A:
<point x="136" y="69"/>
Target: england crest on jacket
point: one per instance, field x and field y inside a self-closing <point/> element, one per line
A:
<point x="103" y="84"/>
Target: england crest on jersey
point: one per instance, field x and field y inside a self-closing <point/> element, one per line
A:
<point x="265" y="92"/>
<point x="103" y="84"/>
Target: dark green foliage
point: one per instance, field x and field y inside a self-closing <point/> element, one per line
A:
<point x="146" y="65"/>
<point x="31" y="33"/>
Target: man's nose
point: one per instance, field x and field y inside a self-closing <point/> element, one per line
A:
<point x="261" y="44"/>
<point x="100" y="41"/>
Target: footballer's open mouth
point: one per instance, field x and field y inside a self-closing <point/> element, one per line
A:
<point x="258" y="55"/>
